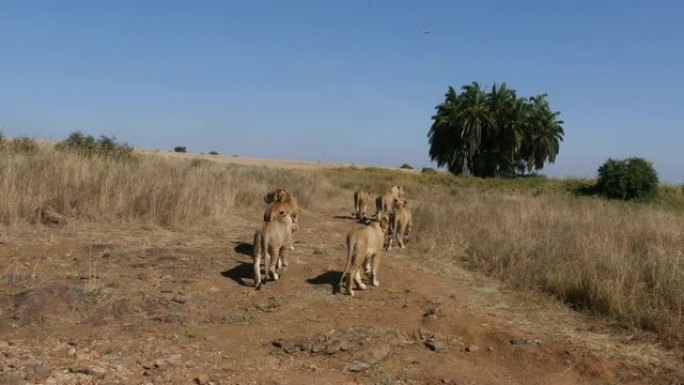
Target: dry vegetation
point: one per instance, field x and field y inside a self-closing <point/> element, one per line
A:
<point x="169" y="192"/>
<point x="623" y="261"/>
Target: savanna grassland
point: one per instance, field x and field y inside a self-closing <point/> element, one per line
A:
<point x="615" y="264"/>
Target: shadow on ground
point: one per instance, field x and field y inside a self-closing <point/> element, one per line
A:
<point x="242" y="273"/>
<point x="243" y="248"/>
<point x="344" y="217"/>
<point x="331" y="278"/>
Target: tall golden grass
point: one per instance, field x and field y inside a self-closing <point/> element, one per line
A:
<point x="167" y="192"/>
<point x="623" y="261"/>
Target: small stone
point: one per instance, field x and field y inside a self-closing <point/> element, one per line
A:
<point x="335" y="346"/>
<point x="425" y="334"/>
<point x="346" y="345"/>
<point x="318" y="347"/>
<point x="526" y="341"/>
<point x="435" y="346"/>
<point x="179" y="299"/>
<point x="373" y="354"/>
<point x="431" y="314"/>
<point x="357" y="366"/>
<point x="162" y="364"/>
<point x="4" y="344"/>
<point x="202" y="379"/>
<point x="490" y="349"/>
<point x="471" y="348"/>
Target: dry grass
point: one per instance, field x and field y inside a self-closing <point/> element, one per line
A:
<point x="623" y="261"/>
<point x="168" y="192"/>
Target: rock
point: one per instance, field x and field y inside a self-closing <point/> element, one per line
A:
<point x="471" y="348"/>
<point x="334" y="346"/>
<point x="372" y="354"/>
<point x="357" y="366"/>
<point x="318" y="346"/>
<point x="168" y="362"/>
<point x="435" y="345"/>
<point x="346" y="345"/>
<point x="179" y="299"/>
<point x="202" y="379"/>
<point x="4" y="345"/>
<point x="430" y="314"/>
<point x="526" y="341"/>
<point x="37" y="305"/>
<point x="423" y="334"/>
<point x="94" y="371"/>
<point x="293" y="345"/>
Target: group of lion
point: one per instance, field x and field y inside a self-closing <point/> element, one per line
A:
<point x="365" y="243"/>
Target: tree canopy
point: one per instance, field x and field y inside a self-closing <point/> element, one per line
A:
<point x="495" y="133"/>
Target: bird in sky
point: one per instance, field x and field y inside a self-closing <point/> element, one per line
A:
<point x="425" y="31"/>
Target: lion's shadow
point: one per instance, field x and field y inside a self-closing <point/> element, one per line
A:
<point x="330" y="277"/>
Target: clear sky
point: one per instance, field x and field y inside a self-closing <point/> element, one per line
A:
<point x="342" y="80"/>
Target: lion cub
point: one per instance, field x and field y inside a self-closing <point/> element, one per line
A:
<point x="383" y="203"/>
<point x="364" y="248"/>
<point x="400" y="223"/>
<point x="271" y="242"/>
<point x="361" y="200"/>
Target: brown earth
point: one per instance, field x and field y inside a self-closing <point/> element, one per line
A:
<point x="99" y="303"/>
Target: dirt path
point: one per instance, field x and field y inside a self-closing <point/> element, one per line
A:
<point x="144" y="305"/>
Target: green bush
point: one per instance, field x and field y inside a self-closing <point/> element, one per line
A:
<point x="180" y="149"/>
<point x="628" y="179"/>
<point x="428" y="170"/>
<point x="88" y="145"/>
<point x="406" y="166"/>
<point x="213" y="153"/>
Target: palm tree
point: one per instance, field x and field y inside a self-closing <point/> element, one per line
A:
<point x="493" y="133"/>
<point x="544" y="134"/>
<point x="446" y="143"/>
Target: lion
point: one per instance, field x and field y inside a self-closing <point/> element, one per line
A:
<point x="361" y="199"/>
<point x="271" y="242"/>
<point x="384" y="203"/>
<point x="364" y="249"/>
<point x="281" y="200"/>
<point x="400" y="223"/>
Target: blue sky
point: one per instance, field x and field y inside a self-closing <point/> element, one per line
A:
<point x="341" y="81"/>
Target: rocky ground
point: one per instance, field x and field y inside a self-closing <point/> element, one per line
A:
<point x="133" y="304"/>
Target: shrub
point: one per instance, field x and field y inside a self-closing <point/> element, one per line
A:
<point x="213" y="153"/>
<point x="23" y="145"/>
<point x="428" y="170"/>
<point x="88" y="145"/>
<point x="181" y="149"/>
<point x="406" y="166"/>
<point x="628" y="179"/>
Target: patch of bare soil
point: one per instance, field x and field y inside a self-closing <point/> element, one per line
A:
<point x="145" y="305"/>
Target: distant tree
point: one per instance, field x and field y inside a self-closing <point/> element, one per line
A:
<point x="88" y="145"/>
<point x="213" y="153"/>
<point x="493" y="133"/>
<point x="628" y="179"/>
<point x="428" y="170"/>
<point x="406" y="166"/>
<point x="180" y="149"/>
